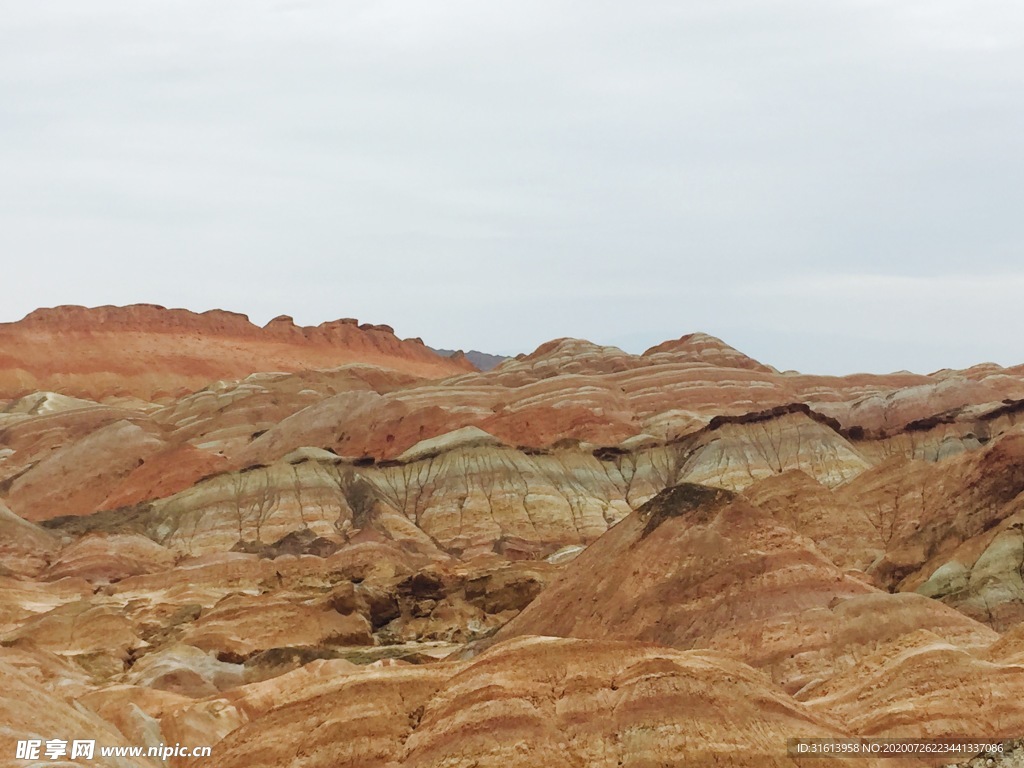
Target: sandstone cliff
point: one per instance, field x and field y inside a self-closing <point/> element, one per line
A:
<point x="149" y="352"/>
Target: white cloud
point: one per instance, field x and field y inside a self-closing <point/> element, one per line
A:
<point x="940" y="289"/>
<point x="493" y="175"/>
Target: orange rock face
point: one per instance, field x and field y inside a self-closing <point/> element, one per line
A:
<point x="701" y="568"/>
<point x="539" y="701"/>
<point x="150" y="352"/>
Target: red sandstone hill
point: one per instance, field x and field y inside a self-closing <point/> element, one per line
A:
<point x="147" y="351"/>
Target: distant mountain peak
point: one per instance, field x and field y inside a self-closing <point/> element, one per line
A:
<point x="704" y="347"/>
<point x="482" y="361"/>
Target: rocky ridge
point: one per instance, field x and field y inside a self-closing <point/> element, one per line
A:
<point x="149" y="352"/>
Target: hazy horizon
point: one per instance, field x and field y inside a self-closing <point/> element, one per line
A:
<point x="828" y="188"/>
<point x="636" y="345"/>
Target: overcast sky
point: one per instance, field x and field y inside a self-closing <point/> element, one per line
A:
<point x="829" y="186"/>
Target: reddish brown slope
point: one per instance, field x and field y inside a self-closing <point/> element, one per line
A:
<point x="147" y="351"/>
<point x="538" y="702"/>
<point x="699" y="567"/>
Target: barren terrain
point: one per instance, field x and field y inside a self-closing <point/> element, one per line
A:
<point x="331" y="547"/>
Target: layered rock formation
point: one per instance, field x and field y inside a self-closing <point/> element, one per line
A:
<point x="539" y="701"/>
<point x="581" y="557"/>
